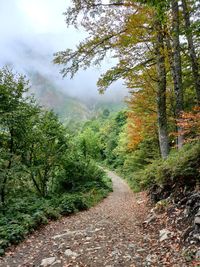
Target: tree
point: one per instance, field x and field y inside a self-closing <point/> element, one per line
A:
<point x="12" y="106"/>
<point x="177" y="65"/>
<point x="140" y="34"/>
<point x="131" y="40"/>
<point x="32" y="140"/>
<point x="191" y="48"/>
<point x="142" y="112"/>
<point x="89" y="144"/>
<point x="161" y="93"/>
<point x="46" y="146"/>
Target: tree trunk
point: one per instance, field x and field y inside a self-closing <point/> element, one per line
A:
<point x="170" y="58"/>
<point x="191" y="49"/>
<point x="161" y="91"/>
<point x="177" y="66"/>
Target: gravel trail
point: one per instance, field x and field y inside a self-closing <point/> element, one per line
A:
<point x="108" y="234"/>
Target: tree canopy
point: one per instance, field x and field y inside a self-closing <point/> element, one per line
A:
<point x="145" y="38"/>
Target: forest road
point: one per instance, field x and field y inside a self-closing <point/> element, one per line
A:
<point x="109" y="234"/>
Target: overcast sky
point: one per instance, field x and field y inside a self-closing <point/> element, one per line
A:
<point x="31" y="31"/>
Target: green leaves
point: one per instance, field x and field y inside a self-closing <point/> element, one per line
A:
<point x="44" y="171"/>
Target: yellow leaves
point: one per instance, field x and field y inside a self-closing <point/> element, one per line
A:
<point x="138" y="27"/>
<point x="134" y="130"/>
<point x="142" y="118"/>
<point x="139" y="127"/>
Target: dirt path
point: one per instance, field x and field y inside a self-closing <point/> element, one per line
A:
<point x="106" y="235"/>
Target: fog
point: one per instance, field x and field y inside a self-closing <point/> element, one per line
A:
<point x="32" y="31"/>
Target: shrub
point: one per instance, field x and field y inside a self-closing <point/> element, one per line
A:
<point x="28" y="213"/>
<point x="67" y="205"/>
<point x="79" y="176"/>
<point x="181" y="168"/>
<point x="40" y="218"/>
<point x="71" y="203"/>
<point x="52" y="213"/>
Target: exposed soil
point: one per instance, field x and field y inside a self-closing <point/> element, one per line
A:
<point x="111" y="234"/>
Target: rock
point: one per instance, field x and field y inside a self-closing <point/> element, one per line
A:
<point x="197" y="255"/>
<point x="164" y="234"/>
<point x="68" y="233"/>
<point x="94" y="248"/>
<point x="48" y="262"/>
<point x="132" y="246"/>
<point x="150" y="219"/>
<point x="63" y="246"/>
<point x="141" y="250"/>
<point x="187" y="232"/>
<point x="62" y="235"/>
<point x="137" y="259"/>
<point x="140" y="202"/>
<point x="57" y="263"/>
<point x="197" y="220"/>
<point x="127" y="257"/>
<point x="198" y="214"/>
<point x="70" y="253"/>
<point x="196" y="237"/>
<point x="151" y="258"/>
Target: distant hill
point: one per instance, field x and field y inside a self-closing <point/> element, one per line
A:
<point x="76" y="99"/>
<point x="49" y="96"/>
<point x="68" y="108"/>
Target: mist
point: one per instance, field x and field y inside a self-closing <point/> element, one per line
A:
<point x="32" y="31"/>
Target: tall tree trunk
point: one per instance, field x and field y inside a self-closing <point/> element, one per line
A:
<point x="191" y="48"/>
<point x="177" y="66"/>
<point x="161" y="91"/>
<point x="171" y="62"/>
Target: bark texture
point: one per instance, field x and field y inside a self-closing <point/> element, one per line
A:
<point x="161" y="91"/>
<point x="177" y="66"/>
<point x="191" y="49"/>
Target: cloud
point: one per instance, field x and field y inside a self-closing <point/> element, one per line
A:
<point x="31" y="31"/>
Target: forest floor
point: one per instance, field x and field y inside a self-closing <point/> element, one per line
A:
<point x="111" y="234"/>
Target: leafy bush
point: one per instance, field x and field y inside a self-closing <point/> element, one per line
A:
<point x="67" y="205"/>
<point x="52" y="213"/>
<point x="45" y="170"/>
<point x="79" y="175"/>
<point x="28" y="213"/>
<point x="40" y="218"/>
<point x="180" y="169"/>
<point x="71" y="203"/>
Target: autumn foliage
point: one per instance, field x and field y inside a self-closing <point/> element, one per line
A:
<point x="190" y="124"/>
<point x="142" y="116"/>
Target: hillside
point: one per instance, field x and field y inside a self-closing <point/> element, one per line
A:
<point x="68" y="108"/>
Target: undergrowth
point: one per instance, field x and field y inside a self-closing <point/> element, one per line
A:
<point x="26" y="214"/>
<point x="179" y="170"/>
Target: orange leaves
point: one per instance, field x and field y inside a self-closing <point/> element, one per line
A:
<point x="189" y="124"/>
<point x="140" y="127"/>
<point x="134" y="130"/>
<point x="142" y="117"/>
